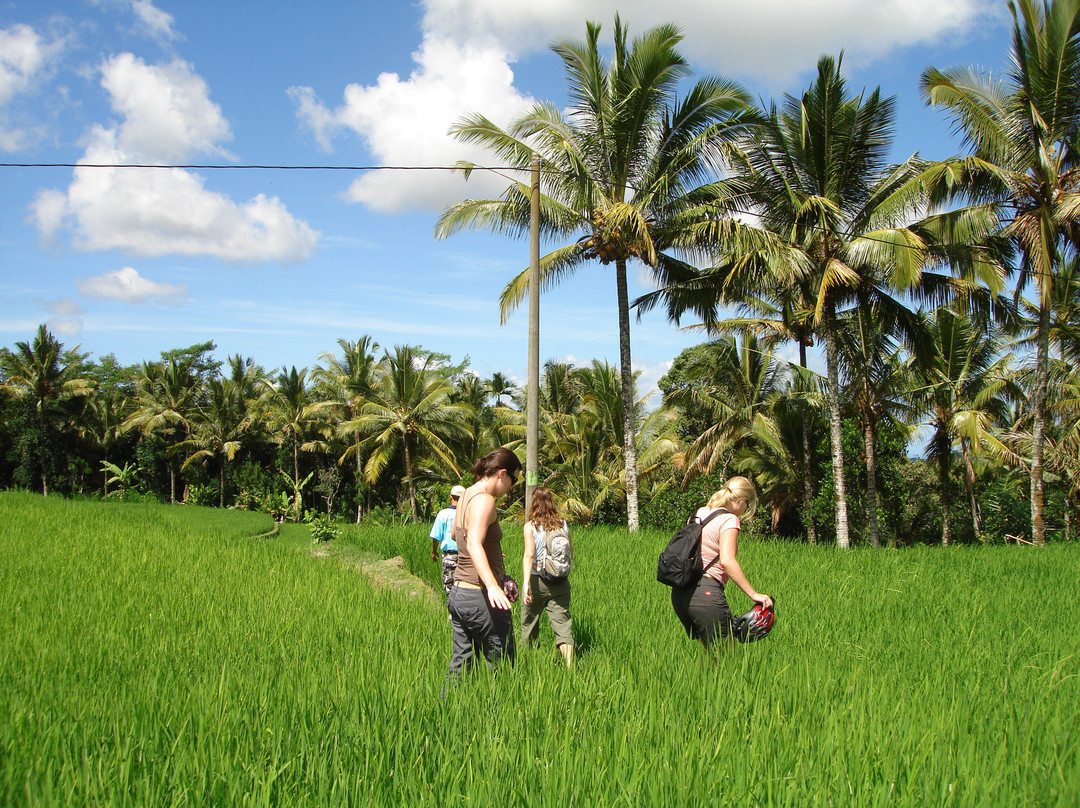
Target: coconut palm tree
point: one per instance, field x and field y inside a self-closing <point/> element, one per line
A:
<point x="102" y="425"/>
<point x="876" y="382"/>
<point x="41" y="372"/>
<point x="342" y="387"/>
<point x="1024" y="134"/>
<point x="284" y="408"/>
<point x="409" y="411"/>
<point x="166" y="395"/>
<point x="832" y="219"/>
<point x="964" y="384"/>
<point x="581" y="425"/>
<point x="500" y="385"/>
<point x="218" y="429"/>
<point x="773" y="450"/>
<point x="626" y="173"/>
<point x="732" y="382"/>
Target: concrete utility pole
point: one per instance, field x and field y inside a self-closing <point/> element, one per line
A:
<point x="532" y="393"/>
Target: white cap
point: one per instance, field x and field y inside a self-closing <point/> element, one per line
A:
<point x="457" y="491"/>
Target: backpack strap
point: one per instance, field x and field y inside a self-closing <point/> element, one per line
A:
<point x="704" y="522"/>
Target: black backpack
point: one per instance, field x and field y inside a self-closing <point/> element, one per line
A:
<point x="680" y="563"/>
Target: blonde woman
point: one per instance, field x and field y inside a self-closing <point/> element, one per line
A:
<point x="478" y="603"/>
<point x="540" y="593"/>
<point x="702" y="608"/>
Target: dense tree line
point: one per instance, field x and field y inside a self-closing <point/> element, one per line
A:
<point x="382" y="434"/>
<point x="781" y="224"/>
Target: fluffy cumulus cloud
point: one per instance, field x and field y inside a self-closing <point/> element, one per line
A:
<point x="128" y="286"/>
<point x="167" y="117"/>
<point x="406" y="121"/>
<point x="464" y="65"/>
<point x="24" y="55"/>
<point x="773" y="41"/>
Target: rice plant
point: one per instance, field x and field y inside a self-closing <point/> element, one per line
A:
<point x="154" y="655"/>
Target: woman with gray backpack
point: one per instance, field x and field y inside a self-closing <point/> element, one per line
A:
<point x="545" y="566"/>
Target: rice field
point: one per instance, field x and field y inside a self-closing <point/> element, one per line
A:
<point x="154" y="655"/>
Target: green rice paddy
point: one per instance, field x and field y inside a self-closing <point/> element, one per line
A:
<point x="154" y="655"/>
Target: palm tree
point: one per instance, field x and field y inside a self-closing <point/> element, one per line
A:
<point x="500" y="385"/>
<point x="43" y="373"/>
<point x="342" y="388"/>
<point x="409" y="411"/>
<point x="1024" y="134"/>
<point x="486" y="422"/>
<point x="832" y="220"/>
<point x="626" y="170"/>
<point x="284" y="406"/>
<point x="876" y="384"/>
<point x="218" y="429"/>
<point x="731" y="382"/>
<point x="103" y="425"/>
<point x="783" y="313"/>
<point x="166" y="395"/>
<point x="773" y="451"/>
<point x="581" y="426"/>
<point x="964" y="384"/>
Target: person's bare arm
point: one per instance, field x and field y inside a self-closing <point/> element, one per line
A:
<point x="481" y="514"/>
<point x="527" y="561"/>
<point x="729" y="548"/>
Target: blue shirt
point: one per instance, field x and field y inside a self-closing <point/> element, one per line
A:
<point x="441" y="530"/>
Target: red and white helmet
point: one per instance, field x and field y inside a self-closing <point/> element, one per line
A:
<point x="755" y="624"/>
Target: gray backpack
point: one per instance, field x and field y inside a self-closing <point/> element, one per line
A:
<point x="558" y="554"/>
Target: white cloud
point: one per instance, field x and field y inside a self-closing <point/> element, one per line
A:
<point x="23" y="57"/>
<point x="65" y="306"/>
<point x="65" y="327"/>
<point x="405" y="122"/>
<point x="167" y="116"/>
<point x="463" y="66"/>
<point x="158" y="23"/>
<point x="772" y="40"/>
<point x="648" y="381"/>
<point x="167" y="111"/>
<point x="128" y="286"/>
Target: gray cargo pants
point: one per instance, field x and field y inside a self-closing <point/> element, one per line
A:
<point x="478" y="629"/>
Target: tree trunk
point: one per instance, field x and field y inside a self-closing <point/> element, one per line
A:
<point x="359" y="482"/>
<point x="412" y="488"/>
<point x="871" y="482"/>
<point x="808" y="483"/>
<point x="629" y="427"/>
<point x="944" y="456"/>
<point x="969" y="484"/>
<point x="221" y="485"/>
<point x="836" y="437"/>
<point x="1038" y="425"/>
<point x="41" y="453"/>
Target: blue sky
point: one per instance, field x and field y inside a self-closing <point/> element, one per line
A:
<point x="279" y="265"/>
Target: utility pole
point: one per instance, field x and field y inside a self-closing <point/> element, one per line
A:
<point x="532" y="393"/>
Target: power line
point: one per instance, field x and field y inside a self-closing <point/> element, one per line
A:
<point x="281" y="167"/>
<point x="270" y="167"/>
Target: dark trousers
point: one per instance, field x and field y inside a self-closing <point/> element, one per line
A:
<point x="479" y="630"/>
<point x="703" y="610"/>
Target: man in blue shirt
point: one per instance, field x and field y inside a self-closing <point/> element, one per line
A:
<point x="442" y="538"/>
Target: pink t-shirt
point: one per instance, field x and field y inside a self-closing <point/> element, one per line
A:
<point x="710" y="541"/>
